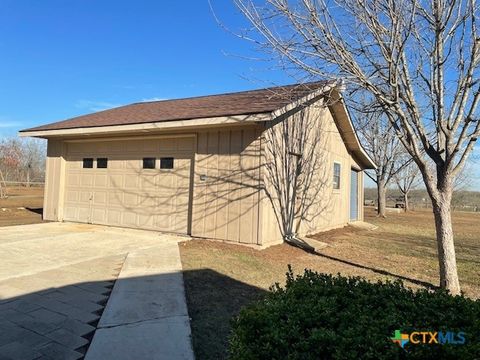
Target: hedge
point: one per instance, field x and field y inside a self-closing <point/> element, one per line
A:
<point x="320" y="316"/>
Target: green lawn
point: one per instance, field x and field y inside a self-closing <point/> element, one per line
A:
<point x="221" y="278"/>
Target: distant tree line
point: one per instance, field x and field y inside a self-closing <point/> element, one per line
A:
<point x="462" y="200"/>
<point x="22" y="160"/>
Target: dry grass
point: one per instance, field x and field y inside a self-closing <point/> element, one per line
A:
<point x="220" y="278"/>
<point x="23" y="206"/>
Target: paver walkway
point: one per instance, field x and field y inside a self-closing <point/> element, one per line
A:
<point x="146" y="316"/>
<point x="55" y="279"/>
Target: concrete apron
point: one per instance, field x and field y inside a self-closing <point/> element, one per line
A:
<point x="146" y="315"/>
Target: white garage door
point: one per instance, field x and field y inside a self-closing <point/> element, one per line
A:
<point x="130" y="183"/>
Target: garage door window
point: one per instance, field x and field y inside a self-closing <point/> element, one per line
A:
<point x="102" y="163"/>
<point x="87" y="163"/>
<point x="166" y="163"/>
<point x="149" y="163"/>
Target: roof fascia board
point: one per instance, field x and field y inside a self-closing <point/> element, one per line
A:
<point x="344" y="121"/>
<point x="149" y="127"/>
<point x="310" y="96"/>
<point x="339" y="111"/>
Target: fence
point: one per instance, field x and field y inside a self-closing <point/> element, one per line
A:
<point x="23" y="183"/>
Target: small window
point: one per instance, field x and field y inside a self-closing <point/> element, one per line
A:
<point x="87" y="163"/>
<point x="102" y="163"/>
<point x="166" y="163"/>
<point x="149" y="163"/>
<point x="336" y="175"/>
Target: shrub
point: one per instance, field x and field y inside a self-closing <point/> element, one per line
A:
<point x="320" y="316"/>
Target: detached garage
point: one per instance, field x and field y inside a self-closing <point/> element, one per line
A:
<point x="198" y="166"/>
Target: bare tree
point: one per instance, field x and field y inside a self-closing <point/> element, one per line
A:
<point x="295" y="175"/>
<point x="22" y="159"/>
<point x="407" y="179"/>
<point x="33" y="159"/>
<point x="10" y="158"/>
<point x="384" y="148"/>
<point x="418" y="59"/>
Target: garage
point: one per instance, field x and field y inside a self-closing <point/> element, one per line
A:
<point x="139" y="183"/>
<point x="203" y="166"/>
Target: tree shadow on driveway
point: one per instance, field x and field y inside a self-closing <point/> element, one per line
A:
<point x="60" y="323"/>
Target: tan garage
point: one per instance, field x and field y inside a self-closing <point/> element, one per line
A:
<point x="198" y="166"/>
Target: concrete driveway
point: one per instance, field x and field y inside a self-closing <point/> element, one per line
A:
<point x="55" y="279"/>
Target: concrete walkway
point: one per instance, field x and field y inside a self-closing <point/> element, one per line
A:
<point x="146" y="316"/>
<point x="55" y="279"/>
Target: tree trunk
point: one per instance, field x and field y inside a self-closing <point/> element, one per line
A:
<point x="406" y="206"/>
<point x="381" y="198"/>
<point x="445" y="244"/>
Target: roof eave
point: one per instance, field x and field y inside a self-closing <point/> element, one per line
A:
<point x="149" y="127"/>
<point x="341" y="116"/>
<point x="349" y="134"/>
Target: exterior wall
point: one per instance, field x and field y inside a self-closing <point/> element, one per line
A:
<point x="54" y="180"/>
<point x="332" y="210"/>
<point x="226" y="184"/>
<point x="227" y="178"/>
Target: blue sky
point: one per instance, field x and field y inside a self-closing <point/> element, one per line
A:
<point x="64" y="58"/>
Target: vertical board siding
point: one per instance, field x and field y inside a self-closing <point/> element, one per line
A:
<point x="225" y="204"/>
<point x="333" y="209"/>
<point x="53" y="176"/>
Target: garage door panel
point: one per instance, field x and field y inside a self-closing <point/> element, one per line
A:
<point x="98" y="215"/>
<point x="73" y="179"/>
<point x="148" y="181"/>
<point x="101" y="180"/>
<point x="130" y="200"/>
<point x="125" y="194"/>
<point x="70" y="213"/>
<point x="145" y="221"/>
<point x="114" y="217"/>
<point x="115" y="199"/>
<point x="99" y="198"/>
<point x="71" y="196"/>
<point x="83" y="214"/>
<point x="115" y="180"/>
<point x="163" y="222"/>
<point x="132" y="165"/>
<point x="148" y="202"/>
<point x="130" y="181"/>
<point x="84" y="197"/>
<point x="129" y="218"/>
<point x="86" y="180"/>
<point x="116" y="164"/>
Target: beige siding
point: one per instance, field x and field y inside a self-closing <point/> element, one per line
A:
<point x="336" y="210"/>
<point x="224" y="176"/>
<point x="53" y="180"/>
<point x="333" y="209"/>
<point x="226" y="179"/>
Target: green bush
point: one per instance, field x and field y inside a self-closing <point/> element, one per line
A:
<point x="320" y="316"/>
